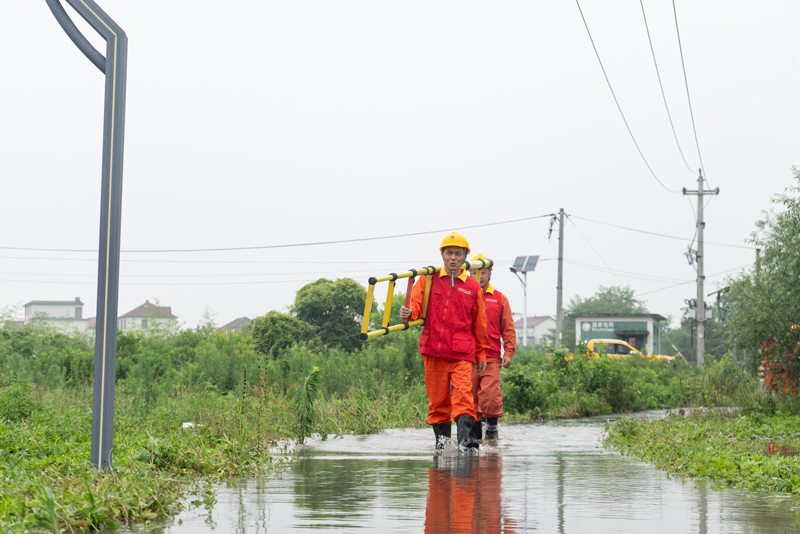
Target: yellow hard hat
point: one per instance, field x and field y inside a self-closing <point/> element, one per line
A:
<point x="454" y="239"/>
<point x="479" y="257"/>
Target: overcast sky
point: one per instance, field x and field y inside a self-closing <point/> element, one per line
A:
<point x="267" y="123"/>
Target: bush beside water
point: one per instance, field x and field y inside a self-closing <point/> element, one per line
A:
<point x="243" y="402"/>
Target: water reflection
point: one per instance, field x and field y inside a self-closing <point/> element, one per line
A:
<point x="547" y="477"/>
<point x="465" y="496"/>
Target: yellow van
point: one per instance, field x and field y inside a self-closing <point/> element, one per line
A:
<point x="617" y="348"/>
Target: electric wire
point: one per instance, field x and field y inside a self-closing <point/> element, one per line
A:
<point x="689" y="98"/>
<point x="292" y="245"/>
<point x="628" y="274"/>
<point x="232" y="262"/>
<point x="617" y="102"/>
<point x="167" y="283"/>
<point x="691" y="281"/>
<point x="658" y="234"/>
<point x="661" y="86"/>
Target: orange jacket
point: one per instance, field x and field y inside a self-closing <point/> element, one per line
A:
<point x="500" y="323"/>
<point x="455" y="327"/>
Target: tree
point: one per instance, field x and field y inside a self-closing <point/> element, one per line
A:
<point x="276" y="332"/>
<point x="768" y="295"/>
<point x="614" y="299"/>
<point x="333" y="309"/>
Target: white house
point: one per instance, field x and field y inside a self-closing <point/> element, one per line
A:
<point x="538" y="327"/>
<point x="145" y="317"/>
<point x="65" y="315"/>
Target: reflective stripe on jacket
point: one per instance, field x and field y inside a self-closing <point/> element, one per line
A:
<point x="499" y="324"/>
<point x="455" y="327"/>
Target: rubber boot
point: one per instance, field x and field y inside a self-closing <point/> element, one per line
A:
<point x="465" y="440"/>
<point x="441" y="430"/>
<point x="477" y="430"/>
<point x="491" y="428"/>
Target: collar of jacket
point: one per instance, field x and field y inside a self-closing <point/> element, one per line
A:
<point x="489" y="289"/>
<point x="462" y="276"/>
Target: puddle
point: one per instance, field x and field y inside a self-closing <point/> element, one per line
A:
<point x="552" y="476"/>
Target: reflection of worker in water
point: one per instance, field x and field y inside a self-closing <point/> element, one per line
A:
<point x="464" y="496"/>
<point x="454" y="337"/>
<point x="486" y="386"/>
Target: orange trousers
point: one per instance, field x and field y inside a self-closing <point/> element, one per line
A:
<point x="487" y="397"/>
<point x="439" y="374"/>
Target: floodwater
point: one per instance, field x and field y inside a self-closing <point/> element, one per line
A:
<point x="553" y="476"/>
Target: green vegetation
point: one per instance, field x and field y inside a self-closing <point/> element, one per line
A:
<point x="759" y="449"/>
<point x="572" y="385"/>
<point x="755" y="451"/>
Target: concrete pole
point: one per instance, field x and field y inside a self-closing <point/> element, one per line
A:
<point x="525" y="311"/>
<point x="560" y="287"/>
<point x="700" y="310"/>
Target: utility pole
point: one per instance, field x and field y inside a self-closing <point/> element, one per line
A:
<point x="560" y="287"/>
<point x="700" y="310"/>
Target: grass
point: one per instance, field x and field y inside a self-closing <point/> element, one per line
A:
<point x="244" y="402"/>
<point x="754" y="451"/>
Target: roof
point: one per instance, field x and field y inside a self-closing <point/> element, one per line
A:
<point x="533" y="321"/>
<point x="148" y="311"/>
<point x="655" y="316"/>
<point x="75" y="302"/>
<point x="236" y="324"/>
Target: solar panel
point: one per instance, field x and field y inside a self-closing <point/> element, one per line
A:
<point x="530" y="265"/>
<point x="525" y="264"/>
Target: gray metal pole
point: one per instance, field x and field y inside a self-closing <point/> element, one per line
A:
<point x="114" y="66"/>
<point x="701" y="307"/>
<point x="525" y="310"/>
<point x="559" y="289"/>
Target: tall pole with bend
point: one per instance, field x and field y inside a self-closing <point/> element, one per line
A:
<point x="114" y="66"/>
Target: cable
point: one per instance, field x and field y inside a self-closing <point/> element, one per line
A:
<point x="164" y="284"/>
<point x="659" y="235"/>
<point x="688" y="98"/>
<point x="352" y="262"/>
<point x="292" y="245"/>
<point x="664" y="96"/>
<point x="691" y="281"/>
<point x="628" y="274"/>
<point x="617" y="102"/>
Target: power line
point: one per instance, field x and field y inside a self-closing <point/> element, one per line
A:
<point x="293" y="245"/>
<point x="664" y="96"/>
<point x="658" y="234"/>
<point x="166" y="284"/>
<point x="617" y="102"/>
<point x="628" y="274"/>
<point x="688" y="98"/>
<point x="691" y="281"/>
<point x="352" y="262"/>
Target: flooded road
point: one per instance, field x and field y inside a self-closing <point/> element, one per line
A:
<point x="546" y="477"/>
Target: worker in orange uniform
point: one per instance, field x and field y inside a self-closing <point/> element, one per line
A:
<point x="453" y="339"/>
<point x="486" y="386"/>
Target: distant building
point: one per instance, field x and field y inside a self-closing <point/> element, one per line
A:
<point x="640" y="330"/>
<point x="65" y="315"/>
<point x="236" y="325"/>
<point x="538" y="327"/>
<point x="145" y="317"/>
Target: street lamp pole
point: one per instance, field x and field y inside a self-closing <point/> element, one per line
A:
<point x="114" y="66"/>
<point x="524" y="307"/>
<point x="523" y="264"/>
